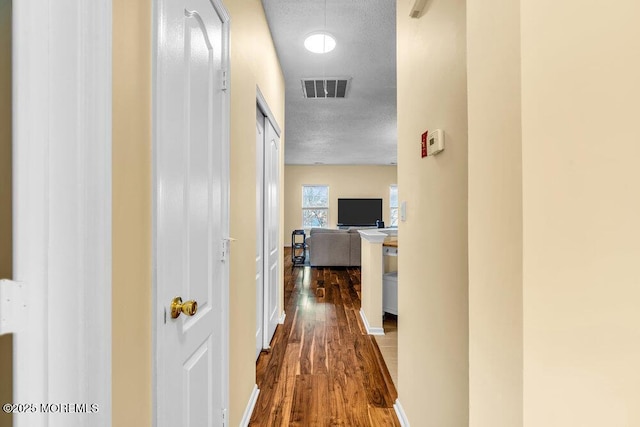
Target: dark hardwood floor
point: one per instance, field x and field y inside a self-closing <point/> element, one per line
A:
<point x="323" y="369"/>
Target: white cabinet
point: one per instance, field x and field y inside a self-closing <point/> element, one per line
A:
<point x="390" y="293"/>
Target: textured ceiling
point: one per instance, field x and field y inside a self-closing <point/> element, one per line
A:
<point x="361" y="128"/>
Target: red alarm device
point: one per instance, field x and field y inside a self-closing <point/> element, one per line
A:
<point x="423" y="145"/>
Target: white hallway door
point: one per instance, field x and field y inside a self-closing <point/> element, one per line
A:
<point x="271" y="230"/>
<point x="268" y="226"/>
<point x="191" y="213"/>
<point x="59" y="307"/>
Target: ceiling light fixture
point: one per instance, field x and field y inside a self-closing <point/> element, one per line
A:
<point x="320" y="43"/>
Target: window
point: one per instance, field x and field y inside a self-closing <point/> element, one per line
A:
<point x="393" y="204"/>
<point x="315" y="206"/>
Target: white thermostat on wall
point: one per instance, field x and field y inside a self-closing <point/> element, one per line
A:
<point x="435" y="142"/>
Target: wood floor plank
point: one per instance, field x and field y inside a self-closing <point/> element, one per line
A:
<point x="310" y="401"/>
<point x="383" y="417"/>
<point x="268" y="379"/>
<point x="319" y="364"/>
<point x="341" y="314"/>
<point x="281" y="411"/>
<point x="306" y="363"/>
<point x="348" y="400"/>
<point x="323" y="369"/>
<point x="300" y="413"/>
<point x="384" y="371"/>
<point x="297" y="328"/>
<point x="319" y="400"/>
<point x="353" y="321"/>
<point x="374" y="385"/>
<point x="330" y="312"/>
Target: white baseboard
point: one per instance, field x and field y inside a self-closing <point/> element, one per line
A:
<point x="370" y="330"/>
<point x="402" y="417"/>
<point x="246" y="417"/>
<point x="284" y="315"/>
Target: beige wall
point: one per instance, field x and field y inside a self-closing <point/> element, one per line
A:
<point x="6" y="258"/>
<point x="433" y="275"/>
<point x="132" y="287"/>
<point x="343" y="181"/>
<point x="581" y="206"/>
<point x="495" y="213"/>
<point x="558" y="299"/>
<point x="253" y="63"/>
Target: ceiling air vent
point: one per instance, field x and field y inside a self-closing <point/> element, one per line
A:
<point x="325" y="88"/>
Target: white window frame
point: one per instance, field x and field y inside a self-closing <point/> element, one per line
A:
<point x="314" y="207"/>
<point x="393" y="208"/>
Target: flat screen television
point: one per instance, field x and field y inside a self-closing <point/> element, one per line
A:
<point x="359" y="212"/>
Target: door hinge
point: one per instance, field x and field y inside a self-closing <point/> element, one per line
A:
<point x="224" y="417"/>
<point x="12" y="306"/>
<point x="225" y="249"/>
<point x="224" y="80"/>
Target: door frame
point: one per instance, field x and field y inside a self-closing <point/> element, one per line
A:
<point x="159" y="306"/>
<point x="260" y="303"/>
<point x="62" y="174"/>
<point x="263" y="106"/>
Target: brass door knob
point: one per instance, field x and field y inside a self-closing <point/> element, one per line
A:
<point x="177" y="306"/>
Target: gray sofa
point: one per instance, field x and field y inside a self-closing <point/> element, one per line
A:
<point x="334" y="248"/>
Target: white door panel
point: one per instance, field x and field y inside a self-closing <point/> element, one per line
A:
<point x="191" y="212"/>
<point x="272" y="228"/>
<point x="59" y="308"/>
<point x="268" y="224"/>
